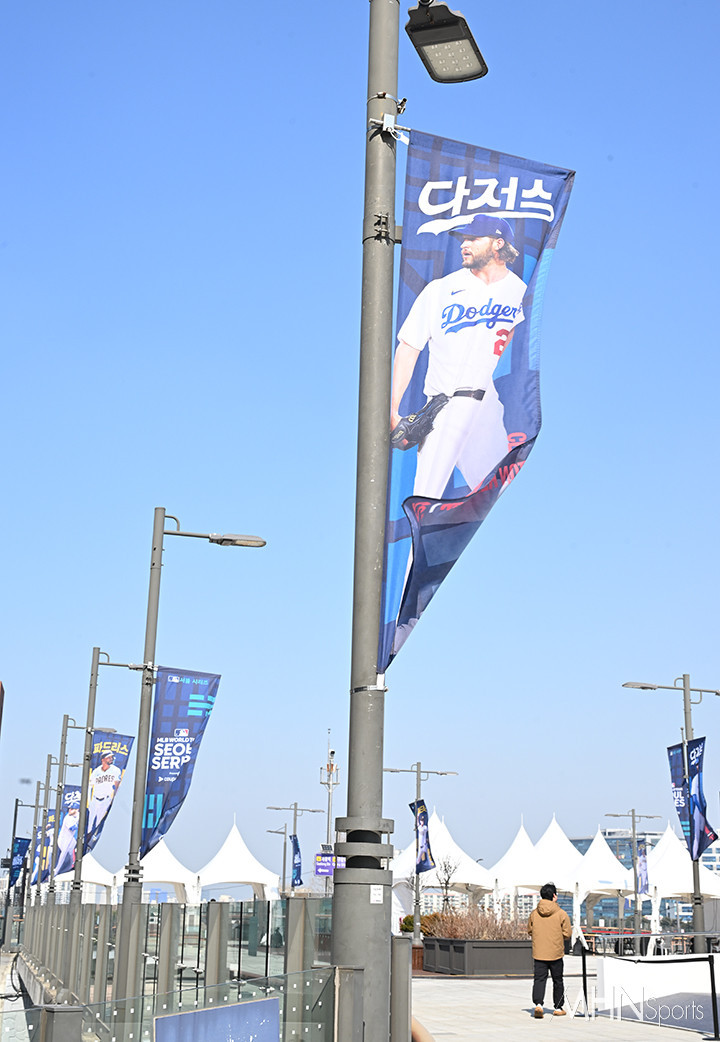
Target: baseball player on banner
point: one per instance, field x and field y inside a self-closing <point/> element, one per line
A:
<point x="466" y="320"/>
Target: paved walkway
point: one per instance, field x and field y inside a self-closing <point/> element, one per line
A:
<point x="461" y="1008"/>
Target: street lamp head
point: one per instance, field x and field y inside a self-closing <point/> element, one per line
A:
<point x="444" y="42"/>
<point x="640" y="686"/>
<point x="230" y="539"/>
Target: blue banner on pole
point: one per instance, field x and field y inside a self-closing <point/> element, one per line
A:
<point x="479" y="231"/>
<point x="68" y="830"/>
<point x="41" y="858"/>
<point x="20" y="848"/>
<point x="183" y="703"/>
<point x="679" y="789"/>
<point x="423" y="860"/>
<point x="296" y="863"/>
<point x="643" y="884"/>
<point x="689" y="797"/>
<point x="701" y="832"/>
<point x="110" y="754"/>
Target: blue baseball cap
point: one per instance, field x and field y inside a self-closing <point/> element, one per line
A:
<point x="484" y="224"/>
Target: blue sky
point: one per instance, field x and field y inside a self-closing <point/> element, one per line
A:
<point x="180" y="251"/>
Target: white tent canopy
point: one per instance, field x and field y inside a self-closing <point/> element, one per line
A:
<point x="91" y="871"/>
<point x="600" y="872"/>
<point x="670" y="870"/>
<point x="161" y="866"/>
<point x="514" y="863"/>
<point x="234" y="864"/>
<point x="555" y="860"/>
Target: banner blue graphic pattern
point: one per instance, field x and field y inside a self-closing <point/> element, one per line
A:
<point x="20" y="848"/>
<point x="296" y="863"/>
<point x="183" y="703"/>
<point x="423" y="855"/>
<point x="110" y="754"/>
<point x="689" y="798"/>
<point x="479" y="231"/>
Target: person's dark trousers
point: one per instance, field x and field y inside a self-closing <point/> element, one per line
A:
<point x="542" y="969"/>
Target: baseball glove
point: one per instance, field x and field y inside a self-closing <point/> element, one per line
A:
<point x="413" y="429"/>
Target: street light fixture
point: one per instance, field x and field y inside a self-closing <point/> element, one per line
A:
<point x="420" y="776"/>
<point x="699" y="940"/>
<point x="128" y="962"/>
<point x="444" y="42"/>
<point x="297" y="813"/>
<point x="637" y="912"/>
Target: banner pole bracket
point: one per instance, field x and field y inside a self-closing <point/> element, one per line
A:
<point x="388" y="125"/>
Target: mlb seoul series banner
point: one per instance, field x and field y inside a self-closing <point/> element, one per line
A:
<point x="183" y="703"/>
<point x="423" y="855"/>
<point x="110" y="755"/>
<point x="689" y="797"/>
<point x="479" y="231"/>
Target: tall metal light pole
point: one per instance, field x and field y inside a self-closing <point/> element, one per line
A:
<point x="361" y="907"/>
<point x="128" y="969"/>
<point x="637" y="916"/>
<point x="329" y="778"/>
<point x="420" y="776"/>
<point x="18" y="804"/>
<point x="284" y="833"/>
<point x="297" y="813"/>
<point x="699" y="940"/>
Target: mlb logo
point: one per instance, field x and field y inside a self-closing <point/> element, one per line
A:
<point x="182" y="732"/>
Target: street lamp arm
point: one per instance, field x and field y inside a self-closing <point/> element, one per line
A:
<point x="640" y="686"/>
<point x="226" y="539"/>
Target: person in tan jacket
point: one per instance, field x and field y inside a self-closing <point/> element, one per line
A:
<point x="549" y="927"/>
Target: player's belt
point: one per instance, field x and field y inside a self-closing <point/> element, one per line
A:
<point x="467" y="392"/>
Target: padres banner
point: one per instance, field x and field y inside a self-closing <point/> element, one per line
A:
<point x="183" y="703"/>
<point x="110" y="754"/>
<point x="479" y="230"/>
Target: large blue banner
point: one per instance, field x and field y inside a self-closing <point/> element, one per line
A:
<point x="689" y="797"/>
<point x="19" y="850"/>
<point x="423" y="855"/>
<point x="479" y="230"/>
<point x="183" y="703"/>
<point x="110" y="754"/>
<point x="68" y="830"/>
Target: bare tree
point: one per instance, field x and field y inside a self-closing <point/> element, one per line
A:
<point x="445" y="869"/>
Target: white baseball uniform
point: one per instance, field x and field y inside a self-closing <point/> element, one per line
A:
<point x="103" y="782"/>
<point x="466" y="324"/>
<point x="67" y="842"/>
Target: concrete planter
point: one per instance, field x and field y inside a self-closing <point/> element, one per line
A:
<point x="477" y="958"/>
